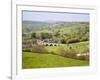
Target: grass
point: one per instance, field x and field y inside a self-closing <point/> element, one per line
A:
<point x="80" y="47"/>
<point x="65" y="30"/>
<point x="36" y="60"/>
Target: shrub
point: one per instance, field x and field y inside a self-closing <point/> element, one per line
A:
<point x="83" y="57"/>
<point x="73" y="40"/>
<point x="34" y="41"/>
<point x="39" y="49"/>
<point x="61" y="51"/>
<point x="33" y="35"/>
<point x="45" y="35"/>
<point x="63" y="41"/>
<point x="70" y="53"/>
<point x="26" y="50"/>
<point x="52" y="53"/>
<point x="87" y="57"/>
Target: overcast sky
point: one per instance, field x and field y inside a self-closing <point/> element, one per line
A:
<point x="49" y="16"/>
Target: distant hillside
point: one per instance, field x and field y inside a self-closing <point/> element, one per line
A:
<point x="29" y="26"/>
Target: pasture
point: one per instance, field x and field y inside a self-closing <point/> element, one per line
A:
<point x="36" y="60"/>
<point x="81" y="47"/>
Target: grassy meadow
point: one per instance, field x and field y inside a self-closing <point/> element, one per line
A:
<point x="34" y="60"/>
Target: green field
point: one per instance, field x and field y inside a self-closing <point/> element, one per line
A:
<point x="77" y="47"/>
<point x="36" y="60"/>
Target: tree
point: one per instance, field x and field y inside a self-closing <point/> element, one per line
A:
<point x="73" y="40"/>
<point x="63" y="41"/>
<point x="23" y="34"/>
<point x="46" y="35"/>
<point x="33" y="35"/>
<point x="39" y="49"/>
<point x="57" y="33"/>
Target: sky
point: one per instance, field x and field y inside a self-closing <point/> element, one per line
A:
<point x="53" y="16"/>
